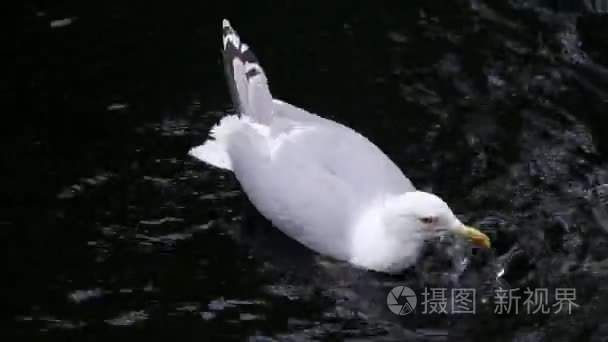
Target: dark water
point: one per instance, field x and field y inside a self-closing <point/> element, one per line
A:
<point x="111" y="231"/>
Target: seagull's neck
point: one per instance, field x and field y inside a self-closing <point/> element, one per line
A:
<point x="375" y="245"/>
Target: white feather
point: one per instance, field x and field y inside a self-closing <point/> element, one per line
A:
<point x="214" y="150"/>
<point x="376" y="248"/>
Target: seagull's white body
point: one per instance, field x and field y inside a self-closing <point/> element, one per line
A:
<point x="318" y="181"/>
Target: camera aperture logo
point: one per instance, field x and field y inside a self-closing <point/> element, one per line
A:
<point x="401" y="300"/>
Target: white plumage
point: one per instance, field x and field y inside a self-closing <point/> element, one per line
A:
<point x="318" y="181"/>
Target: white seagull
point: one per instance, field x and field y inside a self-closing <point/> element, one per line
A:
<point x="320" y="182"/>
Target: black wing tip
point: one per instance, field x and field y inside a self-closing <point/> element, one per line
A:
<point x="227" y="29"/>
<point x="229" y="36"/>
<point x="234" y="47"/>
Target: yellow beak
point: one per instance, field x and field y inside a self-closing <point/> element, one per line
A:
<point x="475" y="236"/>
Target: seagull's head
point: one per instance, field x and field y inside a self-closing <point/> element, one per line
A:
<point x="427" y="215"/>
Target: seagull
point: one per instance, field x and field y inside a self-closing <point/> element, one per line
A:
<point x="318" y="181"/>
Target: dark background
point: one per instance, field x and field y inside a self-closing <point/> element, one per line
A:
<point x="112" y="231"/>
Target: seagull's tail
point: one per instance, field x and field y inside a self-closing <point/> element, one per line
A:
<point x="215" y="150"/>
<point x="250" y="94"/>
<point x="246" y="79"/>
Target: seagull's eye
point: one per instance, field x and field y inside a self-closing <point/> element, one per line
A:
<point x="427" y="220"/>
